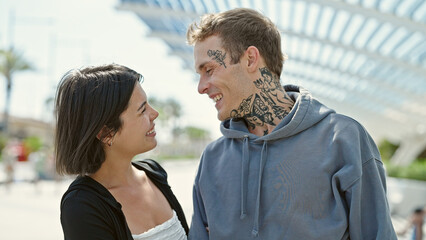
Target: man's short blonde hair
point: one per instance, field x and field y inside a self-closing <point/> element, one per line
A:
<point x="238" y="29"/>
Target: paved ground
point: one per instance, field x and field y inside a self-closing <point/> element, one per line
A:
<point x="29" y="211"/>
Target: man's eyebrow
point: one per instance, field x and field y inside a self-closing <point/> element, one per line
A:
<point x="141" y="106"/>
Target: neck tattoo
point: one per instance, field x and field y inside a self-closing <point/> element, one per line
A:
<point x="261" y="109"/>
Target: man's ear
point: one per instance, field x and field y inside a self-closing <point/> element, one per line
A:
<point x="253" y="58"/>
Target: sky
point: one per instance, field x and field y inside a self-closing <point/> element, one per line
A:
<point x="58" y="35"/>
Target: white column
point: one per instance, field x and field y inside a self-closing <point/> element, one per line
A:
<point x="409" y="149"/>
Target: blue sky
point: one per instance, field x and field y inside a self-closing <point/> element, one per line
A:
<point x="59" y="35"/>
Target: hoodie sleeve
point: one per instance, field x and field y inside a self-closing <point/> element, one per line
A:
<point x="369" y="215"/>
<point x="81" y="220"/>
<point x="198" y="230"/>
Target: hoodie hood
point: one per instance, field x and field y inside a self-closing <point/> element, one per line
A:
<point x="306" y="112"/>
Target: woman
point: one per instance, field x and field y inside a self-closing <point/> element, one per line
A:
<point x="103" y="121"/>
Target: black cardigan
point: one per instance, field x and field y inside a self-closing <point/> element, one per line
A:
<point x="89" y="211"/>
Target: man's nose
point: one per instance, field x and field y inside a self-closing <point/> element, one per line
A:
<point x="202" y="86"/>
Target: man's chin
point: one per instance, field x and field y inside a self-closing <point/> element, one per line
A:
<point x="222" y="118"/>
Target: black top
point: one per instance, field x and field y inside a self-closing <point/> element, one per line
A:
<point x="89" y="211"/>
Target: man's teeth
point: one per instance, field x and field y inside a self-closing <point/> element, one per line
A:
<point x="153" y="130"/>
<point x="217" y="98"/>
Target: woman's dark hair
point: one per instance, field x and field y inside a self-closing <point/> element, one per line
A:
<point x="87" y="100"/>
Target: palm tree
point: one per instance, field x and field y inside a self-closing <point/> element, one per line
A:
<point x="11" y="62"/>
<point x="170" y="110"/>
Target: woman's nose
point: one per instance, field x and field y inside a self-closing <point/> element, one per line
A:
<point x="154" y="114"/>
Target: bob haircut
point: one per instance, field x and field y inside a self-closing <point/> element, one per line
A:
<point x="239" y="29"/>
<point x="89" y="100"/>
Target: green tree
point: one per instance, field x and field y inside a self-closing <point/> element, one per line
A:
<point x="33" y="144"/>
<point x="159" y="106"/>
<point x="387" y="149"/>
<point x="3" y="141"/>
<point x="174" y="110"/>
<point x="416" y="170"/>
<point x="195" y="133"/>
<point x="169" y="111"/>
<point x="11" y="62"/>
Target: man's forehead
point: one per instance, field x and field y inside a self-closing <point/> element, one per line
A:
<point x="201" y="49"/>
<point x="209" y="43"/>
<point x="201" y="58"/>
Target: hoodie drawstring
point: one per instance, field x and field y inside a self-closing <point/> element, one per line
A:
<point x="263" y="157"/>
<point x="244" y="173"/>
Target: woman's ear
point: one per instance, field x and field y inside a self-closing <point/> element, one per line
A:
<point x="105" y="135"/>
<point x="252" y="57"/>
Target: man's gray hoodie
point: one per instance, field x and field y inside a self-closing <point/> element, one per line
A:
<point x="318" y="175"/>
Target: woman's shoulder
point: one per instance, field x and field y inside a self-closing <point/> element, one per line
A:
<point x="86" y="213"/>
<point x="80" y="189"/>
<point x="78" y="202"/>
<point x="84" y="191"/>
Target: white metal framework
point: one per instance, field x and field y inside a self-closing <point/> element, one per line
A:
<point x="364" y="58"/>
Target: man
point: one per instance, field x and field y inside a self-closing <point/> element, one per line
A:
<point x="415" y="223"/>
<point x="287" y="167"/>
